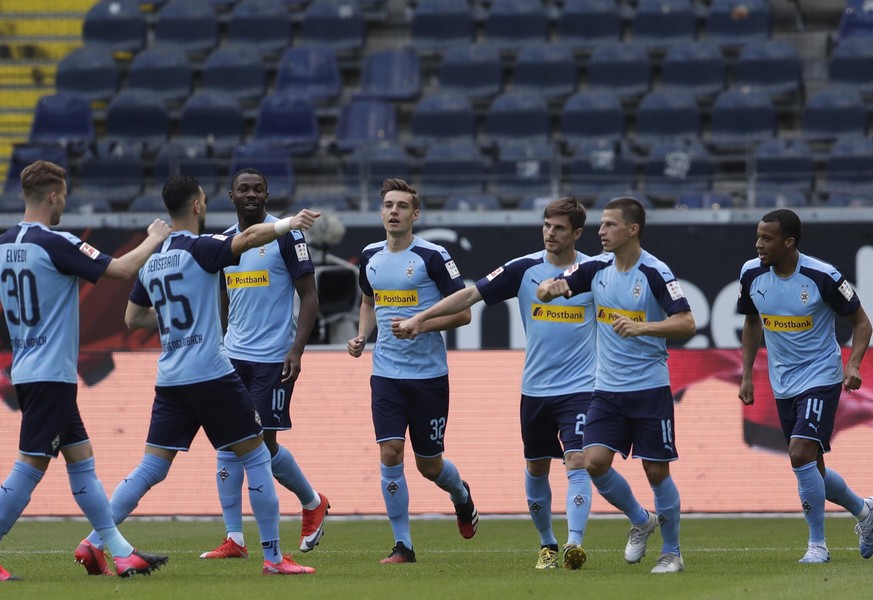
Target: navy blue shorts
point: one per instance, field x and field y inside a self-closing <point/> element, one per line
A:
<point x="422" y="405"/>
<point x="221" y="406"/>
<point x="50" y="418"/>
<point x="811" y="415"/>
<point x="641" y="421"/>
<point x="551" y="426"/>
<point x="271" y="397"/>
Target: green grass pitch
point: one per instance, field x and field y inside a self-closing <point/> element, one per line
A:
<point x="725" y="558"/>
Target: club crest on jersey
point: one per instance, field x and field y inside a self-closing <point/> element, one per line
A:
<point x="494" y="273"/>
<point x="637" y="290"/>
<point x="89" y="250"/>
<point x="452" y="269"/>
<point x="262" y="252"/>
<point x="846" y="290"/>
<point x="804" y="295"/>
<point x="410" y="271"/>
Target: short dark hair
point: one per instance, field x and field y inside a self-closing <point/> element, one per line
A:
<point x="631" y="211"/>
<point x="400" y="185"/>
<point x="567" y="207"/>
<point x="247" y="171"/>
<point x="178" y="192"/>
<point x="41" y="177"/>
<point x="789" y="223"/>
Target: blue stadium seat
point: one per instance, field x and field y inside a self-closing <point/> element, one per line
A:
<point x="371" y="164"/>
<point x="621" y="68"/>
<point x="672" y="169"/>
<point x="583" y="24"/>
<point x="735" y="22"/>
<point x="473" y="70"/>
<point x="235" y="71"/>
<point x="603" y="199"/>
<point x="598" y="166"/>
<point x="771" y="66"/>
<point x="512" y="24"/>
<point x="834" y="112"/>
<point x="393" y="75"/>
<point x="784" y="164"/>
<point x="90" y="72"/>
<point x="338" y="24"/>
<point x="23" y="155"/>
<point x="525" y="170"/>
<point x="189" y="24"/>
<point x="365" y="122"/>
<point x="320" y="201"/>
<point x="665" y="115"/>
<point x="311" y="71"/>
<point x="289" y="121"/>
<point x="548" y="69"/>
<point x="857" y="20"/>
<point x="851" y="63"/>
<point x="273" y="162"/>
<point x="214" y="118"/>
<point x="163" y="70"/>
<point x="441" y="24"/>
<point x="264" y="25"/>
<point x="188" y="157"/>
<point x="659" y="23"/>
<point x="472" y="203"/>
<point x="857" y="200"/>
<point x="150" y="202"/>
<point x="453" y="168"/>
<point x="137" y="117"/>
<point x="590" y="116"/>
<point x="64" y="119"/>
<point x="695" y="67"/>
<point x="114" y="178"/>
<point x="118" y="25"/>
<point x="775" y="198"/>
<point x="849" y="165"/>
<point x="741" y="118"/>
<point x="518" y="117"/>
<point x="443" y="118"/>
<point x="703" y="200"/>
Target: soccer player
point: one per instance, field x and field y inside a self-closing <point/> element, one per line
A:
<point x="265" y="347"/>
<point x="792" y="300"/>
<point x="639" y="306"/>
<point x="410" y="383"/>
<point x="177" y="293"/>
<point x="555" y="394"/>
<point x="39" y="279"/>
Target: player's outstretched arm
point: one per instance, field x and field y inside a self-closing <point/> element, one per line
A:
<point x="449" y="313"/>
<point x="753" y="330"/>
<point x="140" y="317"/>
<point x="366" y="324"/>
<point x="861" y="332"/>
<point x="125" y="267"/>
<point x="264" y="233"/>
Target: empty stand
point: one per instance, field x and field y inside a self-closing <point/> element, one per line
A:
<point x="473" y="70"/>
<point x="89" y="71"/>
<point x="547" y="69"/>
<point x="477" y="203"/>
<point x="119" y="25"/>
<point x="849" y="165"/>
<point x="365" y="122"/>
<point x="771" y="66"/>
<point x="369" y="165"/>
<point x="188" y="24"/>
<point x="834" y="112"/>
<point x="64" y="119"/>
<point x="784" y="164"/>
<point x="443" y="118"/>
<point x="235" y="71"/>
<point x="675" y="168"/>
<point x="518" y="117"/>
<point x="621" y="68"/>
<point x="289" y="121"/>
<point x="338" y="24"/>
<point x="525" y="170"/>
<point x="695" y="67"/>
<point x="742" y="118"/>
<point x="264" y="25"/>
<point x="590" y="116"/>
<point x="851" y="63"/>
<point x="440" y="24"/>
<point x="453" y="168"/>
<point x="666" y="115"/>
<point x="583" y="24"/>
<point x="311" y="71"/>
<point x="512" y="24"/>
<point x="659" y="23"/>
<point x="165" y="71"/>
<point x="735" y="22"/>
<point x="23" y="155"/>
<point x="137" y="117"/>
<point x="392" y="75"/>
<point x="598" y="166"/>
<point x="213" y="118"/>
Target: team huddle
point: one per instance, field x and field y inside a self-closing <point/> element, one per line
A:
<point x="609" y="316"/>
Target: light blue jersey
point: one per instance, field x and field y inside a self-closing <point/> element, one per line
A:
<point x="646" y="292"/>
<point x="401" y="285"/>
<point x="798" y="314"/>
<point x="181" y="281"/>
<point x="39" y="279"/>
<point x="560" y="351"/>
<point x="260" y="321"/>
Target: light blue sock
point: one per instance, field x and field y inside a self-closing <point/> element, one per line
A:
<point x="578" y="504"/>
<point x="615" y="489"/>
<point x="450" y="480"/>
<point x="811" y="488"/>
<point x="264" y="501"/>
<point x="91" y="498"/>
<point x="838" y="492"/>
<point x="288" y="473"/>
<point x="150" y="471"/>
<point x="15" y="493"/>
<point x="396" y="495"/>
<point x="229" y="479"/>
<point x="668" y="506"/>
<point x="539" y="503"/>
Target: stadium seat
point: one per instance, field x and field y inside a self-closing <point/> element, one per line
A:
<point x="288" y="121"/>
<point x="472" y="203"/>
<point x="369" y="165"/>
<point x="23" y="155"/>
<point x="440" y="24"/>
<point x="735" y="22"/>
<point x="775" y="198"/>
<point x="365" y="122"/>
<point x="703" y="200"/>
<point x="597" y="166"/>
<point x="621" y="68"/>
<point x="64" y="119"/>
<point x="118" y="25"/>
<point x="453" y="168"/>
<point x="188" y="24"/>
<point x="741" y="118"/>
<point x="137" y="117"/>
<point x="338" y="24"/>
<point x="163" y="70"/>
<point x="392" y="75"/>
<point x="583" y="24"/>
<point x="856" y="200"/>
<point x="851" y="64"/>
<point x="472" y="70"/>
<point x="511" y="24"/>
<point x="270" y="160"/>
<point x="834" y="112"/>
<point x="90" y="72"/>
<point x="525" y="170"/>
<point x="666" y="115"/>
<point x="114" y="178"/>
<point x="518" y="117"/>
<point x="236" y="72"/>
<point x="659" y="23"/>
<point x="857" y="20"/>
<point x="310" y="71"/>
<point x="590" y="116"/>
<point x="264" y="25"/>
<point x="672" y="169"/>
<point x="188" y="157"/>
<point x="784" y="164"/>
<point x="547" y="69"/>
<point x="771" y="66"/>
<point x="320" y="201"/>
<point x="695" y="67"/>
<point x="150" y="202"/>
<point x="604" y="198"/>
<point x="849" y="165"/>
<point x="214" y="118"/>
<point x="442" y="118"/>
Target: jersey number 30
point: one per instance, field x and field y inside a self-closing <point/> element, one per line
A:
<point x="21" y="287"/>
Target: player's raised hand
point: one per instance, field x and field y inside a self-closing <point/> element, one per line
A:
<point x="356" y="346"/>
<point x="159" y="230"/>
<point x="304" y="219"/>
